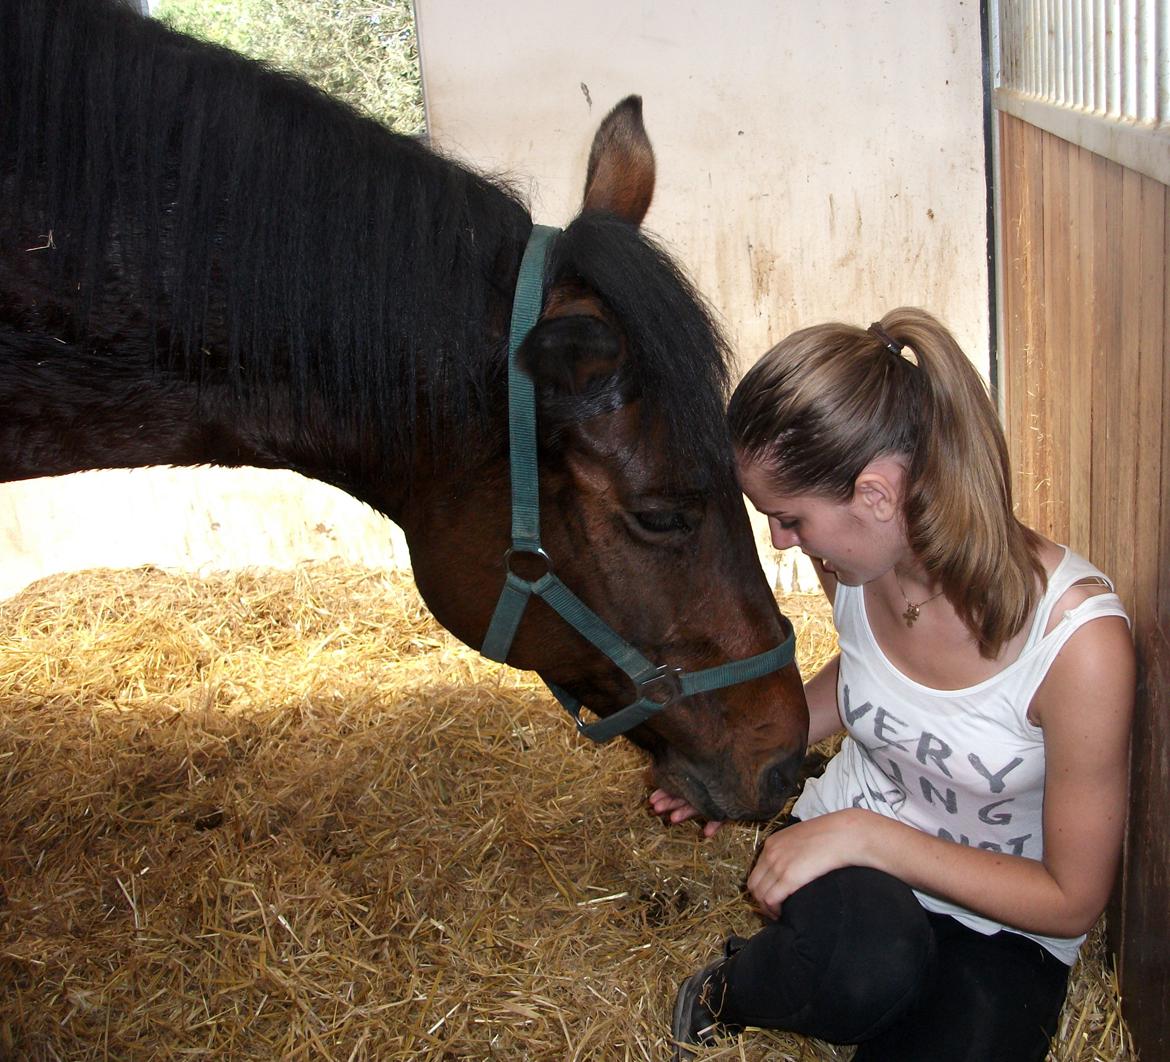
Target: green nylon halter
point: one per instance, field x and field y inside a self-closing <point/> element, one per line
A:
<point x="657" y="685"/>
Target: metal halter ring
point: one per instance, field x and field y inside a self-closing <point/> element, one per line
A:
<point x="527" y="552"/>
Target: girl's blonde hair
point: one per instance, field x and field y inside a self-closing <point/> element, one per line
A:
<point x="826" y="401"/>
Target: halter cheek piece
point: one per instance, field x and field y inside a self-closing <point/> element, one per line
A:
<point x="658" y="685"/>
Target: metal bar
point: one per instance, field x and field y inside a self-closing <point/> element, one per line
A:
<point x="1146" y="63"/>
<point x="1162" y="60"/>
<point x="1088" y="39"/>
<point x="1093" y="37"/>
<point x="1112" y="47"/>
<point x="1076" y="35"/>
<point x="1128" y="65"/>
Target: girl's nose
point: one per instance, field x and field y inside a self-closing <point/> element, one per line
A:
<point x="782" y="537"/>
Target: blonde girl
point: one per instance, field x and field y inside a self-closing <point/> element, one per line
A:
<point x="931" y="895"/>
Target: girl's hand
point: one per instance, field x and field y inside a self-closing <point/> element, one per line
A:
<point x="805" y="851"/>
<point x="675" y="809"/>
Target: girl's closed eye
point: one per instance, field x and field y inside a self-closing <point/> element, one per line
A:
<point x="789" y="523"/>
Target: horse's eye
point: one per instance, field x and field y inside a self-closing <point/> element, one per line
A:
<point x="662" y="521"/>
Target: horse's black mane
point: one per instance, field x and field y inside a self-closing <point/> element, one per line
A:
<point x="244" y="229"/>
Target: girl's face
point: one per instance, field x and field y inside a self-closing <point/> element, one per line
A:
<point x="846" y="537"/>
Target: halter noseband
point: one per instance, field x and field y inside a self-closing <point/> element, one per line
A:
<point x="658" y="685"/>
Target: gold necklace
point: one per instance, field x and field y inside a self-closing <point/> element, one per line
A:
<point x="912" y="610"/>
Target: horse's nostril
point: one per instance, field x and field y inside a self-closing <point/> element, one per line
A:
<point x="780" y="779"/>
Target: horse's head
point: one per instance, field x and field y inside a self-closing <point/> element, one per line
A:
<point x="640" y="510"/>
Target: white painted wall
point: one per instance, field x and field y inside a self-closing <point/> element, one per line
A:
<point x="817" y="160"/>
<point x="197" y="520"/>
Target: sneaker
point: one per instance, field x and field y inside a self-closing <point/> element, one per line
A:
<point x="694" y="1021"/>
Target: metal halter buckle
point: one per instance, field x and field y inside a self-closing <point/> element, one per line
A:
<point x="662" y="686"/>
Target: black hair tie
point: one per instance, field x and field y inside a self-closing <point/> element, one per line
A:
<point x="887" y="340"/>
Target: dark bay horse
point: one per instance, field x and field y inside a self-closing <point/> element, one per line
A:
<point x="206" y="262"/>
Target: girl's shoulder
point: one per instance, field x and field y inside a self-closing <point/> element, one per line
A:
<point x="1094" y="650"/>
<point x="1072" y="581"/>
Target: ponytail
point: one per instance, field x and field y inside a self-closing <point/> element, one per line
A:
<point x="826" y="401"/>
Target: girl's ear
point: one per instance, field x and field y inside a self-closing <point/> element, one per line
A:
<point x="879" y="488"/>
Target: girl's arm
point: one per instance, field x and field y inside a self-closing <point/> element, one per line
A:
<point x="824" y="718"/>
<point x="1084" y="706"/>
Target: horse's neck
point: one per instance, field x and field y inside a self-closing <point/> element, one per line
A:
<point x="66" y="409"/>
<point x="69" y="410"/>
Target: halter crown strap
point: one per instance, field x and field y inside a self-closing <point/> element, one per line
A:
<point x="657" y="685"/>
<point x="526" y="305"/>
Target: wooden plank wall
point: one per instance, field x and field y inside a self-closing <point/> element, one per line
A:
<point x="1085" y="375"/>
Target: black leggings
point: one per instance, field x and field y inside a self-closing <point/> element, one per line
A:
<point x="855" y="959"/>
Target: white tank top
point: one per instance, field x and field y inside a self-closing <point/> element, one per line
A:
<point x="965" y="765"/>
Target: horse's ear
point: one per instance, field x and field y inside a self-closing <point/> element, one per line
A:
<point x="620" y="177"/>
<point x="570" y="355"/>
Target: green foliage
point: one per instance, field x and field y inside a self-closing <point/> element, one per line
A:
<point x="361" y="51"/>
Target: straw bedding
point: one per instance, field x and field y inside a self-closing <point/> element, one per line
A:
<point x="285" y="815"/>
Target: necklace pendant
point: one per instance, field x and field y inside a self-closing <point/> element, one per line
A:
<point x="911" y="614"/>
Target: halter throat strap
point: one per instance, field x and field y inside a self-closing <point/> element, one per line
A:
<point x="657" y="685"/>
